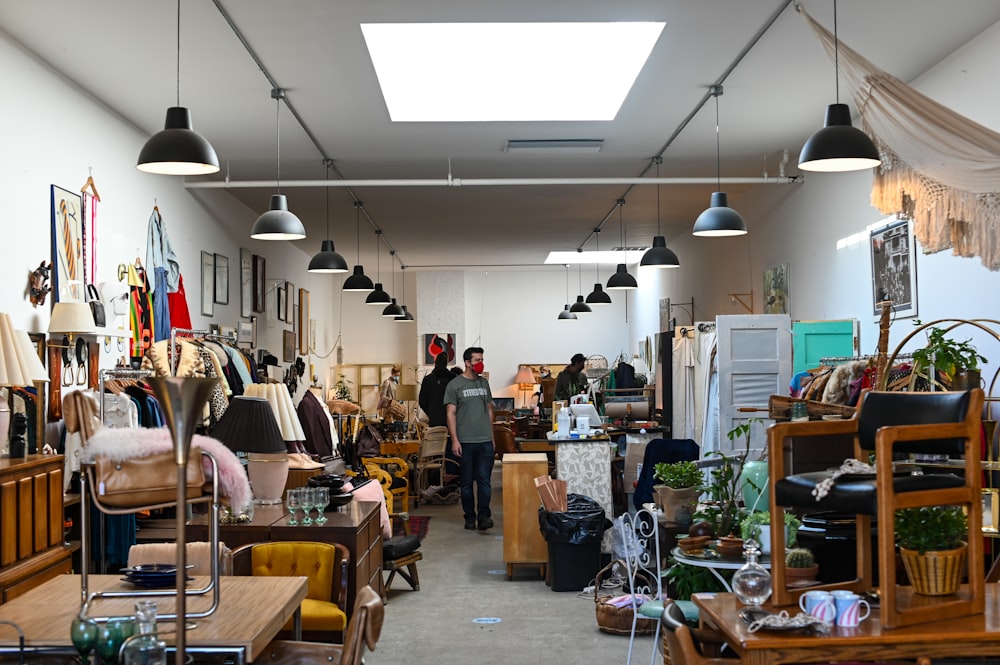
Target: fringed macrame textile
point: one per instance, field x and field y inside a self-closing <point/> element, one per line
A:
<point x="938" y="167"/>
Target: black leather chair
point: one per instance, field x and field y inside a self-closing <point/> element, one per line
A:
<point x="890" y="424"/>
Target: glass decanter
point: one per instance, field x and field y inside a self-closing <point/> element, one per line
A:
<point x="145" y="648"/>
<point x="752" y="582"/>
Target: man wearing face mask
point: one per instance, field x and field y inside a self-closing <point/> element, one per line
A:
<point x="469" y="411"/>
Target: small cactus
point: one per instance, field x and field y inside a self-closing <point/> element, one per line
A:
<point x="799" y="557"/>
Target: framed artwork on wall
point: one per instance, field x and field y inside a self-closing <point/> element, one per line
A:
<point x="68" y="276"/>
<point x="289" y="302"/>
<point x="288" y="346"/>
<point x="279" y="298"/>
<point x="244" y="332"/>
<point x="221" y="279"/>
<point x="894" y="269"/>
<point x="246" y="282"/>
<point x="435" y="343"/>
<point x="258" y="283"/>
<point x="776" y="290"/>
<point x="303" y="321"/>
<point x="208" y="283"/>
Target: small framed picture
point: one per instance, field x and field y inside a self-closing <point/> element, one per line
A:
<point x="221" y="279"/>
<point x="289" y="302"/>
<point x="303" y="321"/>
<point x="208" y="283"/>
<point x="244" y="332"/>
<point x="258" y="283"/>
<point x="288" y="346"/>
<point x="253" y="333"/>
<point x="246" y="283"/>
<point x="894" y="269"/>
<point x="279" y="295"/>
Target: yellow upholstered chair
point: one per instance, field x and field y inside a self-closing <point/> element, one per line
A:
<point x="325" y="564"/>
<point x="393" y="473"/>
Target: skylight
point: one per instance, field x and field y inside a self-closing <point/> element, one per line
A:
<point x="488" y="72"/>
<point x="610" y="256"/>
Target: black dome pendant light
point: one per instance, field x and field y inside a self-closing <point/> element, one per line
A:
<point x="622" y="280"/>
<point x="406" y="317"/>
<point x="358" y="281"/>
<point x="598" y="296"/>
<point x="328" y="260"/>
<point x="659" y="256"/>
<point x="718" y="219"/>
<point x="278" y="223"/>
<point x="393" y="310"/>
<point x="177" y="149"/>
<point x="580" y="306"/>
<point x="567" y="314"/>
<point x="378" y="296"/>
<point x="839" y="146"/>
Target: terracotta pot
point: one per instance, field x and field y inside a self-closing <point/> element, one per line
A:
<point x="937" y="573"/>
<point x="671" y="501"/>
<point x="793" y="575"/>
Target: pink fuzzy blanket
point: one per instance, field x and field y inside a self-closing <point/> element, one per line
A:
<point x="120" y="444"/>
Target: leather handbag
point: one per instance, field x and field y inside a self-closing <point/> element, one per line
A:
<point x="96" y="306"/>
<point x="144" y="481"/>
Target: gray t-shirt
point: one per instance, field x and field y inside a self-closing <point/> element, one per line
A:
<point x="472" y="414"/>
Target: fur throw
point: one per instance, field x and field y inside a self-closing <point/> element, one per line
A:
<point x="120" y="444"/>
<point x="838" y="387"/>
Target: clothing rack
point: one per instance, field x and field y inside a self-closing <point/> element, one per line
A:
<point x="206" y="334"/>
<point x="836" y="360"/>
<point x="119" y="373"/>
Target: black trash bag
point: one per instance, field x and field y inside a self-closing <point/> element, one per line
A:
<point x="583" y="522"/>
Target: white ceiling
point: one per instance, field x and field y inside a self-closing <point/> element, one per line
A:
<point x="124" y="53"/>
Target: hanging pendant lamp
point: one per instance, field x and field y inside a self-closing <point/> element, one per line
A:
<point x="622" y="280"/>
<point x="718" y="219"/>
<point x="567" y="314"/>
<point x="378" y="296"/>
<point x="393" y="310"/>
<point x="328" y="260"/>
<point x="178" y="149"/>
<point x="405" y="316"/>
<point x="839" y="146"/>
<point x="358" y="281"/>
<point x="580" y="306"/>
<point x="598" y="296"/>
<point x="278" y="223"/>
<point x="658" y="256"/>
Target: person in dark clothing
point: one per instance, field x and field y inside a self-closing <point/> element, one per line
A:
<point x="572" y="381"/>
<point x="431" y="398"/>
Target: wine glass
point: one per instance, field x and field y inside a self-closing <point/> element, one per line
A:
<point x="83" y="632"/>
<point x="292" y="502"/>
<point x="322" y="501"/>
<point x="308" y="500"/>
<point x="109" y="639"/>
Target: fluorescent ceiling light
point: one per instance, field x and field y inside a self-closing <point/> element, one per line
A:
<point x="603" y="256"/>
<point x="487" y="72"/>
<point x="553" y="146"/>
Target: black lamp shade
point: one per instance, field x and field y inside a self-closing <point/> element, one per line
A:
<point x="659" y="256"/>
<point x="328" y="260"/>
<point x="279" y="224"/>
<point x="178" y="149"/>
<point x="249" y="426"/>
<point x="622" y="280"/>
<point x="598" y="296"/>
<point x="358" y="281"/>
<point x="719" y="219"/>
<point x="406" y="317"/>
<point x="566" y="314"/>
<point x="393" y="310"/>
<point x="838" y="146"/>
<point x="580" y="306"/>
<point x="378" y="296"/>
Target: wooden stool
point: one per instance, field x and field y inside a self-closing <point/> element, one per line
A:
<point x="400" y="555"/>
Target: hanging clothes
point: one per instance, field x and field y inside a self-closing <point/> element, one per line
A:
<point x="315" y="425"/>
<point x="711" y="436"/>
<point x="140" y="311"/>
<point x="162" y="260"/>
<point x="683" y="365"/>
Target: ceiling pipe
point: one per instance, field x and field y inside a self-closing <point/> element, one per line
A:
<point x="490" y="182"/>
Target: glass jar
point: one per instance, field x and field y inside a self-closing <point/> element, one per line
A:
<point x="752" y="582"/>
<point x="800" y="412"/>
<point x="145" y="648"/>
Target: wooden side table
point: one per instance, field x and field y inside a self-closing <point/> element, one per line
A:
<point x="522" y="539"/>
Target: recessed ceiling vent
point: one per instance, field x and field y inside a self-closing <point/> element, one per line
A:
<point x="553" y="146"/>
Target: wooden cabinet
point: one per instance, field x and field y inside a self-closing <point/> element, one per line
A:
<point x="522" y="539"/>
<point x="31" y="523"/>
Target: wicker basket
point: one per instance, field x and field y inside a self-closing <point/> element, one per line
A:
<point x="937" y="573"/>
<point x="617" y="620"/>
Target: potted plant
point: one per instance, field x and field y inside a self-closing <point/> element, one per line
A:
<point x="753" y="472"/>
<point x="679" y="488"/>
<point x="726" y="484"/>
<point x="757" y="525"/>
<point x="800" y="566"/>
<point x="958" y="362"/>
<point x="931" y="542"/>
<point x="342" y="388"/>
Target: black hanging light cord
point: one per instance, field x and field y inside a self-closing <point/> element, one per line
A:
<point x="178" y="52"/>
<point x="357" y="225"/>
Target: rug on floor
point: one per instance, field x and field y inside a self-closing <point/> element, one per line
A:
<point x="419" y="525"/>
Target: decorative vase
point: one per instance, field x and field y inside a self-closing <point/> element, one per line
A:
<point x="936" y="573"/>
<point x="795" y="576"/>
<point x="677" y="505"/>
<point x="753" y="481"/>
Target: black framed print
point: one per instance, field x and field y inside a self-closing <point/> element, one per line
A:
<point x="246" y="283"/>
<point x="894" y="269"/>
<point x="221" y="279"/>
<point x="258" y="283"/>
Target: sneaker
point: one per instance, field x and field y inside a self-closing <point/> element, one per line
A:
<point x="470" y="524"/>
<point x="485" y="524"/>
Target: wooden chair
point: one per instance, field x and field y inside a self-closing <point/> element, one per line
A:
<point x="522" y="427"/>
<point x="433" y="449"/>
<point x="890" y="424"/>
<point x="504" y="441"/>
<point x="679" y="641"/>
<point x="397" y="473"/>
<point x="363" y="631"/>
<point x="325" y="564"/>
<point x="400" y="554"/>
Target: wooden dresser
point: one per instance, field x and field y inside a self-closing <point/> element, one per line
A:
<point x="522" y="539"/>
<point x="31" y="524"/>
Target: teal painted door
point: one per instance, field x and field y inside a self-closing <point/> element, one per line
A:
<point x="812" y="340"/>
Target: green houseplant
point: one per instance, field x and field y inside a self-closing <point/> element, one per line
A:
<point x="727" y="483"/>
<point x="342" y="388"/>
<point x="950" y="357"/>
<point x="679" y="488"/>
<point x="756" y="525"/>
<point x="932" y="543"/>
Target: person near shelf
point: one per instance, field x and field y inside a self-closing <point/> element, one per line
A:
<point x="572" y="380"/>
<point x="387" y="391"/>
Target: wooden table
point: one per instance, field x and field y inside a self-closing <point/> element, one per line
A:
<point x="402" y="448"/>
<point x="44" y="613"/>
<point x="714" y="565"/>
<point x="977" y="635"/>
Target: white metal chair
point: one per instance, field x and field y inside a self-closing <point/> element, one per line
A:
<point x="643" y="562"/>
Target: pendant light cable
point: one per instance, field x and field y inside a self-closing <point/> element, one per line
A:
<point x="836" y="53"/>
<point x="178" y="52"/>
<point x="327" y="163"/>
<point x="357" y="226"/>
<point x="659" y="160"/>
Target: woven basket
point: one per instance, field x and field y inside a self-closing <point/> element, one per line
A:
<point x="937" y="573"/>
<point x="617" y="620"/>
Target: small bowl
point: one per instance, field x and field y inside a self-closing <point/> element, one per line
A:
<point x="730" y="547"/>
<point x="693" y="543"/>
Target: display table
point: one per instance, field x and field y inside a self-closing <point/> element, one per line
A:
<point x="522" y="539"/>
<point x="714" y="565"/>
<point x="356" y="527"/>
<point x="237" y="626"/>
<point x="973" y="636"/>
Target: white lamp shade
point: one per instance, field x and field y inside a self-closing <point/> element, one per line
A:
<point x="72" y="317"/>
<point x="525" y="377"/>
<point x="19" y="364"/>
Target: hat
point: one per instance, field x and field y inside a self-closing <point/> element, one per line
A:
<point x="578" y="358"/>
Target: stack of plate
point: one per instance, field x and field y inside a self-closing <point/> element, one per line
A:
<point x="152" y="575"/>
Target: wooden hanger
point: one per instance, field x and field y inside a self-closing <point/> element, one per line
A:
<point x="91" y="186"/>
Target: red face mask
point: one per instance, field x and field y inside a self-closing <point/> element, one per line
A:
<point x="478" y="367"/>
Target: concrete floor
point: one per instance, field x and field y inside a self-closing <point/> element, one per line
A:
<point x="462" y="578"/>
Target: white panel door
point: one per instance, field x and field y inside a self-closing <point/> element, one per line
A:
<point x="755" y="362"/>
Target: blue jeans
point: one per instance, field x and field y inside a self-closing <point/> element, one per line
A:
<point x="477" y="466"/>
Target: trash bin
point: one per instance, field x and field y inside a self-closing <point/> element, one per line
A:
<point x="574" y="542"/>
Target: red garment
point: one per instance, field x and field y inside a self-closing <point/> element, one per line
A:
<point x="180" y="317"/>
